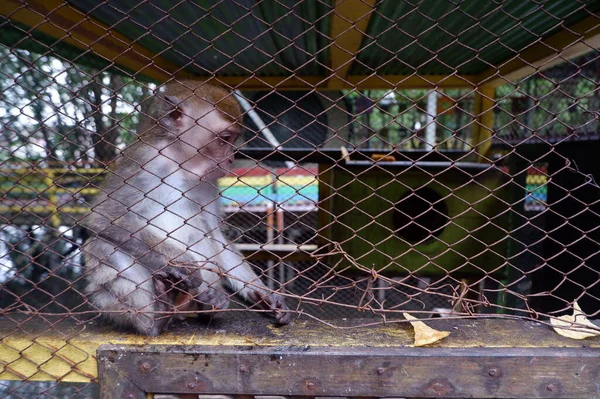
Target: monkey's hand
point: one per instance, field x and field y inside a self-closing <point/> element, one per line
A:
<point x="273" y="302"/>
<point x="171" y="281"/>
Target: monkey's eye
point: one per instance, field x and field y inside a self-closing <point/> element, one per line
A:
<point x="228" y="137"/>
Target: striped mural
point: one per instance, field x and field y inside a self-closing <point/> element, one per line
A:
<point x="259" y="187"/>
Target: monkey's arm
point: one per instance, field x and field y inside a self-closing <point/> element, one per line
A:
<point x="130" y="233"/>
<point x="244" y="281"/>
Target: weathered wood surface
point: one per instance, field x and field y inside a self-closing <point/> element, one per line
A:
<point x="63" y="348"/>
<point x="355" y="371"/>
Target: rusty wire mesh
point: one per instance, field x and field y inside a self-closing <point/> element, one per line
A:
<point x="366" y="183"/>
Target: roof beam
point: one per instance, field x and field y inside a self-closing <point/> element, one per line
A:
<point x="348" y="27"/>
<point x="412" y="81"/>
<point x="570" y="42"/>
<point x="362" y="82"/>
<point x="58" y="19"/>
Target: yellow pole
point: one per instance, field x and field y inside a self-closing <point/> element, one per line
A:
<point x="484" y="126"/>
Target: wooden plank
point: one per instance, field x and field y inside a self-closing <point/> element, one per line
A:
<point x="51" y="348"/>
<point x="58" y="19"/>
<point x="115" y="383"/>
<point x="349" y="22"/>
<point x="363" y="372"/>
<point x="575" y="40"/>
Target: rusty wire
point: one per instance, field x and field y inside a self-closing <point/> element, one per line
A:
<point x="370" y="245"/>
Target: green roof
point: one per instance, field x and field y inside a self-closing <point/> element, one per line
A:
<point x="277" y="38"/>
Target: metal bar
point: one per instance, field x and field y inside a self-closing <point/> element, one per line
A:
<point x="282" y="248"/>
<point x="334" y="155"/>
<point x="260" y="124"/>
<point x="430" y="136"/>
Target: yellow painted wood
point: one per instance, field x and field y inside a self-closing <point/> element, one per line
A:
<point x="59" y="20"/>
<point x="50" y="349"/>
<point x="483" y="128"/>
<point x="572" y="42"/>
<point x="43" y="209"/>
<point x="349" y="23"/>
<point x="410" y="81"/>
<point x="359" y="82"/>
<point x="271" y="82"/>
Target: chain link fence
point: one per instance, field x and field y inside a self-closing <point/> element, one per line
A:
<point x="432" y="157"/>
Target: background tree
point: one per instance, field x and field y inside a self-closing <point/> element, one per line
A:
<point x="53" y="114"/>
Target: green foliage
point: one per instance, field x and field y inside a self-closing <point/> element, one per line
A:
<point x="52" y="111"/>
<point x="396" y="119"/>
<point x="552" y="104"/>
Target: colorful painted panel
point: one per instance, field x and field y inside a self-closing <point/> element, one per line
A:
<point x="536" y="187"/>
<point x="260" y="186"/>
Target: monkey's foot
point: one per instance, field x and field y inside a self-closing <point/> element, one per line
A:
<point x="273" y="302"/>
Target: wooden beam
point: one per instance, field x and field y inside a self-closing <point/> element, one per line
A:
<point x="384" y="82"/>
<point x="349" y="24"/>
<point x="271" y="82"/>
<point x="409" y="81"/>
<point x="59" y="20"/>
<point x="52" y="348"/>
<point x="484" y="125"/>
<point x="575" y="40"/>
<point x="313" y="371"/>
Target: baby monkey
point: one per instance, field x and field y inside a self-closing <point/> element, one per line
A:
<point x="156" y="246"/>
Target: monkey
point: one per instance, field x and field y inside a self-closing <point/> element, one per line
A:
<point x="156" y="246"/>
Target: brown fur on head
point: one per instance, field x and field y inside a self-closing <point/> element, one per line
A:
<point x="196" y="125"/>
<point x="202" y="94"/>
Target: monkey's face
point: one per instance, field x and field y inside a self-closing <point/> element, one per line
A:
<point x="209" y="139"/>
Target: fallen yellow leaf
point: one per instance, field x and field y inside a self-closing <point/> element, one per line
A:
<point x="424" y="335"/>
<point x="564" y="326"/>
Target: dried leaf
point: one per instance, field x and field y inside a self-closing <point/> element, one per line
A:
<point x="564" y="326"/>
<point x="424" y="335"/>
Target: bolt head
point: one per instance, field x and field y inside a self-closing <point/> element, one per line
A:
<point x="145" y="367"/>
